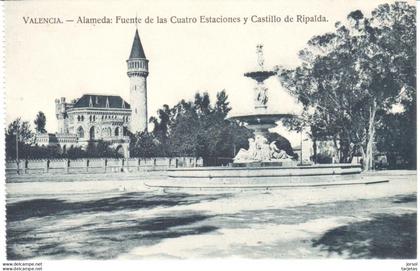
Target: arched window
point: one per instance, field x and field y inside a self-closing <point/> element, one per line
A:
<point x="83" y="118"/>
<point x="78" y="118"/>
<point x="125" y="131"/>
<point x="92" y="133"/>
<point x="80" y="132"/>
<point x="117" y="131"/>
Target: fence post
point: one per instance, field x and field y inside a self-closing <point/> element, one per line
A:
<point x="47" y="166"/>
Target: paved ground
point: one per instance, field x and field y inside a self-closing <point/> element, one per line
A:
<point x="103" y="219"/>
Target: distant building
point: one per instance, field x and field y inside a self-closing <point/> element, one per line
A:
<point x="95" y="117"/>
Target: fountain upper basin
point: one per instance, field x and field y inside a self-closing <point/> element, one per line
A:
<point x="261" y="118"/>
<point x="260" y="76"/>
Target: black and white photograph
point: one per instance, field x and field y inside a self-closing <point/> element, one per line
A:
<point x="178" y="131"/>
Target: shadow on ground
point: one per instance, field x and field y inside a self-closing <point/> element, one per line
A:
<point x="106" y="242"/>
<point x="130" y="201"/>
<point x="383" y="237"/>
<point x="111" y="232"/>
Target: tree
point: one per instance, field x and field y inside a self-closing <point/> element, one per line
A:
<point x="397" y="135"/>
<point x="75" y="153"/>
<point x="347" y="78"/>
<point x="40" y="122"/>
<point x="101" y="149"/>
<point x="160" y="129"/>
<point x="145" y="145"/>
<point x="19" y="132"/>
<point x="193" y="128"/>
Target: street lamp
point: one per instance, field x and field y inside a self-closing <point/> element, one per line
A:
<point x="17" y="150"/>
<point x="301" y="147"/>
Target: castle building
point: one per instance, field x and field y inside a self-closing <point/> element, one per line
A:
<point x="94" y="117"/>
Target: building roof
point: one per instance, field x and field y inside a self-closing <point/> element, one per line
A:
<point x="137" y="49"/>
<point x="101" y="101"/>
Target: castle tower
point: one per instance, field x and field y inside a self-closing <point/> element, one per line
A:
<point x="61" y="114"/>
<point x="138" y="69"/>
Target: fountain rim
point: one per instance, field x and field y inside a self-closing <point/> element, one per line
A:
<point x="253" y="118"/>
<point x="260" y="75"/>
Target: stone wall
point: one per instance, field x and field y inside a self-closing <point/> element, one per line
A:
<point x="99" y="165"/>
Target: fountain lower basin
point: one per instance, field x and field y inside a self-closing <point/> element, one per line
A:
<point x="261" y="172"/>
<point x="234" y="179"/>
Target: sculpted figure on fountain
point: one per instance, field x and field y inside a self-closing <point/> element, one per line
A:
<point x="261" y="92"/>
<point x="260" y="150"/>
<point x="247" y="155"/>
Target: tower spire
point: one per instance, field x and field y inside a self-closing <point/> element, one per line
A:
<point x="137" y="48"/>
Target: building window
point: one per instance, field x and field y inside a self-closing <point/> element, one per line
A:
<point x="80" y="132"/>
<point x="117" y="131"/>
<point x="92" y="133"/>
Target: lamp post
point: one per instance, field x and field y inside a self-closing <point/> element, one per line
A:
<point x="17" y="150"/>
<point x="301" y="147"/>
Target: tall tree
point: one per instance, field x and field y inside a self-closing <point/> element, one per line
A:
<point x="193" y="128"/>
<point x="348" y="77"/>
<point x="40" y="122"/>
<point x="19" y="132"/>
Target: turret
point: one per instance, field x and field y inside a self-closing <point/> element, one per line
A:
<point x="137" y="71"/>
<point x="60" y="113"/>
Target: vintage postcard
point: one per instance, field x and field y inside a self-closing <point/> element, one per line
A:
<point x="245" y="134"/>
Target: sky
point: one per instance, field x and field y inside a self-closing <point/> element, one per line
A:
<point x="48" y="61"/>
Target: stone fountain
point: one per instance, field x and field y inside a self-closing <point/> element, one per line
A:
<point x="263" y="165"/>
<point x="260" y="121"/>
